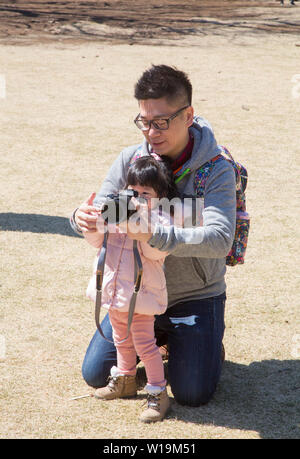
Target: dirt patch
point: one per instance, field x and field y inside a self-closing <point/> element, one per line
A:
<point x="141" y="21"/>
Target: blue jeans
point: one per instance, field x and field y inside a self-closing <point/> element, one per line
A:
<point x="193" y="331"/>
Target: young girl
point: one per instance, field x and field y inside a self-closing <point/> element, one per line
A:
<point x="151" y="179"/>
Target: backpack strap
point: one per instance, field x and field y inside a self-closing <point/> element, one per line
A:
<point x="241" y="176"/>
<point x="138" y="271"/>
<point x="203" y="173"/>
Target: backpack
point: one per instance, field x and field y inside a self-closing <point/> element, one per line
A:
<point x="238" y="249"/>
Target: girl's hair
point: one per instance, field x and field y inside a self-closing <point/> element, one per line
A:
<point x="147" y="171"/>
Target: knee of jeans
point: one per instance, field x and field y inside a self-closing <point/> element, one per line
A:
<point x="95" y="377"/>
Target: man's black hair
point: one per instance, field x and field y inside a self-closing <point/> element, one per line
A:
<point x="164" y="81"/>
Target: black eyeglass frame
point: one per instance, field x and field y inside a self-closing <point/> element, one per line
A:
<point x="153" y="122"/>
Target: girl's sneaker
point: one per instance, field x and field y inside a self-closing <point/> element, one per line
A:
<point x="158" y="404"/>
<point x="119" y="386"/>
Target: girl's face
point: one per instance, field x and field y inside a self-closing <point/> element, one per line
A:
<point x="145" y="192"/>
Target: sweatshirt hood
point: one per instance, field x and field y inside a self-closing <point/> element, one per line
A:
<point x="205" y="145"/>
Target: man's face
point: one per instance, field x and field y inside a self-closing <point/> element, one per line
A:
<point x="170" y="142"/>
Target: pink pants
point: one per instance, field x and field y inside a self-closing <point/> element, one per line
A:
<point x="140" y="341"/>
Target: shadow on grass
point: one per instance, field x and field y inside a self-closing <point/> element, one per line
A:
<point x="36" y="223"/>
<point x="263" y="397"/>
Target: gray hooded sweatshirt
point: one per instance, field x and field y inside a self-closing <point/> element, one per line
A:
<point x="195" y="267"/>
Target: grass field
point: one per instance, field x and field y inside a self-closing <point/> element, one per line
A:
<point x="66" y="114"/>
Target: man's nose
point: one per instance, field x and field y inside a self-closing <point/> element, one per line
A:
<point x="153" y="132"/>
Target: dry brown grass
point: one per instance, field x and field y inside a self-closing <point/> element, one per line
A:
<point x="58" y="140"/>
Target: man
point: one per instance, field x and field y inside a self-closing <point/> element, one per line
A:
<point x="193" y="324"/>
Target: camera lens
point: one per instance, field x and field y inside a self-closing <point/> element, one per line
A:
<point x="117" y="208"/>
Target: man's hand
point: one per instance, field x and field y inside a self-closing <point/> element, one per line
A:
<point x="86" y="215"/>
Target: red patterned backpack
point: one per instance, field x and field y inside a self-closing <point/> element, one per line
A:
<point x="238" y="249"/>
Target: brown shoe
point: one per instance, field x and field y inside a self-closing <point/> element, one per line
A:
<point x="158" y="406"/>
<point x="119" y="386"/>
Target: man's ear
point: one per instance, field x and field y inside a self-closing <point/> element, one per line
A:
<point x="189" y="116"/>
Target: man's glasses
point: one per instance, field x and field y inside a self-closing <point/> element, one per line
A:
<point x="160" y="123"/>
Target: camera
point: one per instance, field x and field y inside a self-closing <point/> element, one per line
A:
<point x="117" y="207"/>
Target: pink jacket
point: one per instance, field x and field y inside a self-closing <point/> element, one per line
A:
<point x="118" y="279"/>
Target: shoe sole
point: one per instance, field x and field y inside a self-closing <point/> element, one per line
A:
<point x="148" y="421"/>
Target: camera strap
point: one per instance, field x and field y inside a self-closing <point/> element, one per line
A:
<point x="138" y="271"/>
